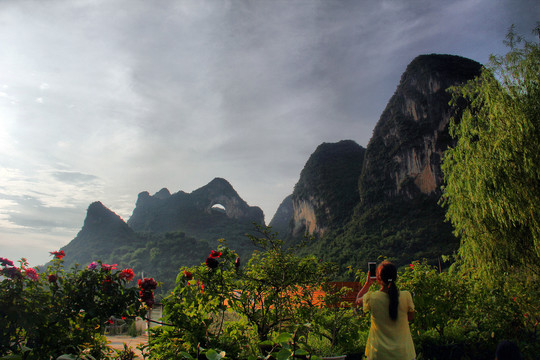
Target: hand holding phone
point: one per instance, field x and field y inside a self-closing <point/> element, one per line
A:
<point x="372" y="269"/>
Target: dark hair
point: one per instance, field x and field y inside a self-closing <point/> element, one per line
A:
<point x="387" y="273"/>
<point x="507" y="350"/>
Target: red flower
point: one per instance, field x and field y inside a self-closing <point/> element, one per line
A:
<point x="188" y="275"/>
<point x="216" y="254"/>
<point x="52" y="278"/>
<point x="201" y="286"/>
<point x="127" y="274"/>
<point x="412" y="266"/>
<point x="212" y="262"/>
<point x="31" y="273"/>
<point x="5" y="262"/>
<point x="58" y="254"/>
<point x="147" y="284"/>
<point x="109" y="267"/>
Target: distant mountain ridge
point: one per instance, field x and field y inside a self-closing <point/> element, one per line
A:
<point x="181" y="211"/>
<point x="166" y="230"/>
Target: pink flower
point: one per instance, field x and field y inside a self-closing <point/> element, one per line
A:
<point x="108" y="267"/>
<point x="31" y="273"/>
<point x="92" y="265"/>
<point x="58" y="254"/>
<point x="127" y="274"/>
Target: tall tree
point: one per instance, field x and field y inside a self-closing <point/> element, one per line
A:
<point x="492" y="175"/>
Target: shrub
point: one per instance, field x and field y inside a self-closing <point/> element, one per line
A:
<point x="48" y="314"/>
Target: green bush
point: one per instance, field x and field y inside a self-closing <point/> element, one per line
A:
<point x="56" y="313"/>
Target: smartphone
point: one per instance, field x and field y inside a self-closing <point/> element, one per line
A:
<point x="372" y="269"/>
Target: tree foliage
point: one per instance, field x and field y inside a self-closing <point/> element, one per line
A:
<point x="492" y="175"/>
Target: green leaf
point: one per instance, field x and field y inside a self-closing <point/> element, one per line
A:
<point x="284" y="338"/>
<point x="11" y="357"/>
<point x="284" y="354"/>
<point x="186" y="355"/>
<point x="213" y="355"/>
<point x="301" y="352"/>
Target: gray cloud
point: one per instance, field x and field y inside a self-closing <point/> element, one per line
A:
<point x="100" y="100"/>
<point x="73" y="177"/>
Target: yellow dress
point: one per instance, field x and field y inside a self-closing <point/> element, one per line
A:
<point x="389" y="339"/>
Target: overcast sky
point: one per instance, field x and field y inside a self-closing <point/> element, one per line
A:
<point x="103" y="99"/>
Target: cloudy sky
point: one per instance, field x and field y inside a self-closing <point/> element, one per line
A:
<point x="103" y="99"/>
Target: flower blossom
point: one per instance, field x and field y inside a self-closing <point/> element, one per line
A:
<point x="58" y="254"/>
<point x="187" y="275"/>
<point x="108" y="267"/>
<point x="237" y="262"/>
<point x="216" y="254"/>
<point x="11" y="272"/>
<point x="52" y="278"/>
<point x="5" y="262"/>
<point x="127" y="274"/>
<point x="212" y="262"/>
<point x="31" y="273"/>
<point x="92" y="265"/>
<point x="147" y="286"/>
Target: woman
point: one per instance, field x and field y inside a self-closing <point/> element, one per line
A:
<point x="391" y="310"/>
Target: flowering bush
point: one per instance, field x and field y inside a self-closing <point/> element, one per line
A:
<point x="220" y="308"/>
<point x="47" y="314"/>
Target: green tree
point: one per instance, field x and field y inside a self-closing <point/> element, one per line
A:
<point x="492" y="175"/>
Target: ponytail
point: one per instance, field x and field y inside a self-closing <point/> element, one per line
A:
<point x="387" y="272"/>
<point x="394" y="299"/>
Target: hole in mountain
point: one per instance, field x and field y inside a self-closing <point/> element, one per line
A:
<point x="219" y="208"/>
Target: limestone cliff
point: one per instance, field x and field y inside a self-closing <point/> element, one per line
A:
<point x="404" y="155"/>
<point x="386" y="204"/>
<point x="327" y="190"/>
